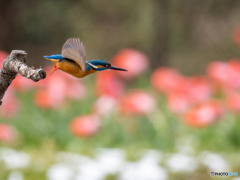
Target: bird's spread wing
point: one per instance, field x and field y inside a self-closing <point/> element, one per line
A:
<point x="73" y="49"/>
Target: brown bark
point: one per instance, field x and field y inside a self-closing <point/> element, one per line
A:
<point x="14" y="64"/>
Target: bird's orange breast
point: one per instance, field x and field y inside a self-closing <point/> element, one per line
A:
<point x="73" y="68"/>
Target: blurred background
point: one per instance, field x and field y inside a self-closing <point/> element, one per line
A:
<point x="173" y="115"/>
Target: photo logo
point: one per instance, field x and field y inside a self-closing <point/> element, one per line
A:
<point x="212" y="174"/>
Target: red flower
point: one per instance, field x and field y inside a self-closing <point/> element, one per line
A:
<point x="218" y="71"/>
<point x="178" y="102"/>
<point x="233" y="102"/>
<point x="204" y="114"/>
<point x="234" y="73"/>
<point x="225" y="75"/>
<point x="108" y="84"/>
<point x="105" y="105"/>
<point x="132" y="60"/>
<point x="197" y="88"/>
<point x="42" y="100"/>
<point x="85" y="126"/>
<point x="22" y="84"/>
<point x="138" y="102"/>
<point x="75" y="88"/>
<point x="191" y="91"/>
<point x="10" y="105"/>
<point x="166" y="79"/>
<point x="76" y="91"/>
<point x="54" y="91"/>
<point x="7" y="133"/>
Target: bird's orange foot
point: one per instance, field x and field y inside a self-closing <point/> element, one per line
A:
<point x="53" y="69"/>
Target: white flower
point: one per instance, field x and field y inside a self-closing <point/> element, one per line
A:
<point x="142" y="171"/>
<point x="181" y="163"/>
<point x="151" y="156"/>
<point x="15" y="175"/>
<point x="60" y="172"/>
<point x="14" y="159"/>
<point x="84" y="168"/>
<point x="111" y="160"/>
<point x="145" y="168"/>
<point x="214" y="162"/>
<point x="90" y="170"/>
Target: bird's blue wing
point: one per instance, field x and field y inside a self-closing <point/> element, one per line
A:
<point x="73" y="49"/>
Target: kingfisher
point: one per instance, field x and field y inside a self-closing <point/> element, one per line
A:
<point x="72" y="60"/>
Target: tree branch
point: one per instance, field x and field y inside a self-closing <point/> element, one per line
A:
<point x="14" y="64"/>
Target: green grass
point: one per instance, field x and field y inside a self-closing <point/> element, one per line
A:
<point x="159" y="130"/>
<point x="44" y="132"/>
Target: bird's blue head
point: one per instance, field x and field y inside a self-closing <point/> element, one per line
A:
<point x="100" y="65"/>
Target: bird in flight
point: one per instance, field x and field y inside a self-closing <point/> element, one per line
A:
<point x="72" y="60"/>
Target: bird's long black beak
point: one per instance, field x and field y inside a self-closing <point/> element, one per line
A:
<point x="117" y="68"/>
